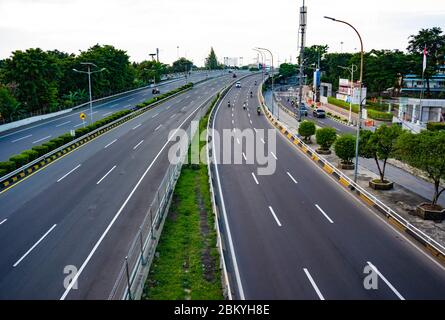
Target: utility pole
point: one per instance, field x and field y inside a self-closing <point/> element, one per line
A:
<point x="303" y="17"/>
<point x="157" y="55"/>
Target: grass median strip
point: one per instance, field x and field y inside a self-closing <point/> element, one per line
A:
<point x="186" y="265"/>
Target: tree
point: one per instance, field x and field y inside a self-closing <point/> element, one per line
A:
<point x="425" y="151"/>
<point x="326" y="138"/>
<point x="149" y="70"/>
<point x="345" y="148"/>
<point x="379" y="145"/>
<point x="9" y="106"/>
<point x="306" y="130"/>
<point x="211" y="61"/>
<point x="36" y="73"/>
<point x="182" y="65"/>
<point x="288" y="70"/>
<point x="434" y="41"/>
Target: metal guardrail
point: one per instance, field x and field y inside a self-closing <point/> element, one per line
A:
<point x="412" y="230"/>
<point x="68" y="147"/>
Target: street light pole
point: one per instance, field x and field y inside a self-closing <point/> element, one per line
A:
<point x="89" y="72"/>
<point x="273" y="92"/>
<point x="262" y="66"/>
<point x="351" y="70"/>
<point x="360" y="94"/>
<point x="303" y="17"/>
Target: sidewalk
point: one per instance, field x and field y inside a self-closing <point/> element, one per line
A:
<point x="408" y="192"/>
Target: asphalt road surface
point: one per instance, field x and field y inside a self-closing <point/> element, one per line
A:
<point x="17" y="140"/>
<point x="297" y="234"/>
<point x="57" y="217"/>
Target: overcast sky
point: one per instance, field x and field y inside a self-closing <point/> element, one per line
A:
<point x="232" y="27"/>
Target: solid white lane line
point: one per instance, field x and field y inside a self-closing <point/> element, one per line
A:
<point x="110" y="143"/>
<point x="131" y="99"/>
<point x="112" y="106"/>
<point x="35" y="245"/>
<point x="273" y="155"/>
<point x="244" y="156"/>
<point x="292" y="178"/>
<point x="324" y="213"/>
<point x="3" y="221"/>
<point x="140" y="124"/>
<point x="158" y="127"/>
<point x="37" y="141"/>
<point x="106" y="175"/>
<point x="314" y="285"/>
<point x="67" y="174"/>
<point x="78" y="125"/>
<point x="254" y="178"/>
<point x="22" y="138"/>
<point x="118" y="213"/>
<point x="386" y="281"/>
<point x="157" y="114"/>
<point x="62" y="124"/>
<point x="275" y="216"/>
<point x="106" y="114"/>
<point x="136" y="146"/>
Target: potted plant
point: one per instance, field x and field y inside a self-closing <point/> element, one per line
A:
<point x="306" y="130"/>
<point x="325" y="139"/>
<point x="345" y="149"/>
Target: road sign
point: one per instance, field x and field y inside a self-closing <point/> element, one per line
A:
<point x="83" y="116"/>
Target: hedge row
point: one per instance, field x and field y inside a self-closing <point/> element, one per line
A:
<point x="372" y="114"/>
<point x="163" y="96"/>
<point x="27" y="156"/>
<point x="435" y="126"/>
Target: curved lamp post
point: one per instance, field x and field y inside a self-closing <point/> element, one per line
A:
<point x="360" y="93"/>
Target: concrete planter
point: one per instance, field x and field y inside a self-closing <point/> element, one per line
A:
<point x="324" y="152"/>
<point x="346" y="166"/>
<point x="426" y="212"/>
<point x="378" y="185"/>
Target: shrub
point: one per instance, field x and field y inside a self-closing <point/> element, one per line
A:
<point x="32" y="154"/>
<point x="80" y="132"/>
<point x="380" y="116"/>
<point x="19" y="160"/>
<point x="51" y="146"/>
<point x="343" y="104"/>
<point x="435" y="126"/>
<point x="41" y="150"/>
<point x="307" y="129"/>
<point x="3" y="172"/>
<point x="8" y="166"/>
<point x="58" y="142"/>
<point x="326" y="137"/>
<point x="67" y="137"/>
<point x="345" y="148"/>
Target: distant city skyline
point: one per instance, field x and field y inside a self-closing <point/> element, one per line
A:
<point x="231" y="27"/>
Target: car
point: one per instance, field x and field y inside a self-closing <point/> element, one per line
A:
<point x="155" y="91"/>
<point x="303" y="110"/>
<point x="319" y="113"/>
<point x="234" y="75"/>
<point x="238" y="84"/>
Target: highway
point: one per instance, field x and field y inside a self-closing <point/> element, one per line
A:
<point x="296" y="234"/>
<point x="17" y="140"/>
<point x="85" y="209"/>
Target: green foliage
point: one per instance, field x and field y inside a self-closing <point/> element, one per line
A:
<point x="326" y="137"/>
<point x="147" y="71"/>
<point x="288" y="70"/>
<point x="3" y="172"/>
<point x="8" y="166"/>
<point x="211" y="61"/>
<point x="345" y="148"/>
<point x="19" y="160"/>
<point x="307" y="129"/>
<point x="343" y="104"/>
<point x="32" y="154"/>
<point x="380" y="116"/>
<point x="9" y="106"/>
<point x="435" y="126"/>
<point x="51" y="145"/>
<point x="182" y="65"/>
<point x="42" y="150"/>
<point x="425" y="151"/>
<point x="379" y="145"/>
